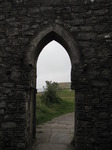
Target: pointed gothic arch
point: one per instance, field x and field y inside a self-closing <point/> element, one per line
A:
<point x="60" y="35"/>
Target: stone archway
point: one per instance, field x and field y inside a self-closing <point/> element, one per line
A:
<point x="26" y="27"/>
<point x="60" y="35"/>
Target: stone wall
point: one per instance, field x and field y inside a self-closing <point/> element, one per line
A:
<point x="89" y="24"/>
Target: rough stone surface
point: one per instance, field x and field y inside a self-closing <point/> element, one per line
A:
<point x="85" y="30"/>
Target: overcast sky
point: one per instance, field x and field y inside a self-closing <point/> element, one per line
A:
<point x="53" y="65"/>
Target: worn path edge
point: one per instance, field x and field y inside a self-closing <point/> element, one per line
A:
<point x="56" y="134"/>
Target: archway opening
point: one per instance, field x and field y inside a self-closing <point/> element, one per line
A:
<point x="54" y="65"/>
<point x="63" y="37"/>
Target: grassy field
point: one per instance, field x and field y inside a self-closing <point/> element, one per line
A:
<point x="45" y="113"/>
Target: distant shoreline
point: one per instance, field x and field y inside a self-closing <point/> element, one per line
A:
<point x="62" y="85"/>
<point x="39" y="90"/>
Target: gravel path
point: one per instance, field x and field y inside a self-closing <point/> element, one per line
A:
<point x="56" y="134"/>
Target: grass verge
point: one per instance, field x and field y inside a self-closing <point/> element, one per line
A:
<point x="45" y="113"/>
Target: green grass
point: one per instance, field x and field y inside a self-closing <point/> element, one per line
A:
<point x="45" y="113"/>
<point x="66" y="93"/>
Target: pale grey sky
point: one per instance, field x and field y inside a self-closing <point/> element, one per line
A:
<point x="53" y="65"/>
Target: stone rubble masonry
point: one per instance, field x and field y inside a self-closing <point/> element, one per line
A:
<point x="23" y="23"/>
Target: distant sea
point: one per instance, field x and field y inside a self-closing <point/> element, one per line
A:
<point x="40" y="90"/>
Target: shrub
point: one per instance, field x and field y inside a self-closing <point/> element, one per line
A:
<point x="50" y="94"/>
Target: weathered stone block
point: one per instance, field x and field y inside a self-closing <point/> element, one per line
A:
<point x="16" y="75"/>
<point x="8" y="125"/>
<point x="1" y="134"/>
<point x="84" y="44"/>
<point x="86" y="36"/>
<point x="2" y="104"/>
<point x="104" y="146"/>
<point x="2" y="41"/>
<point x="88" y="108"/>
<point x="80" y="114"/>
<point x="33" y="10"/>
<point x="91" y="21"/>
<point x="21" y="145"/>
<point x="101" y="28"/>
<point x="1" y="17"/>
<point x="5" y="5"/>
<point x="101" y="12"/>
<point x="100" y="83"/>
<point x="89" y="52"/>
<point x="78" y="22"/>
<point x="79" y="146"/>
<point x="86" y="28"/>
<point x="12" y="32"/>
<point x="2" y="111"/>
<point x="12" y="107"/>
<point x="75" y="29"/>
<point x="103" y="115"/>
